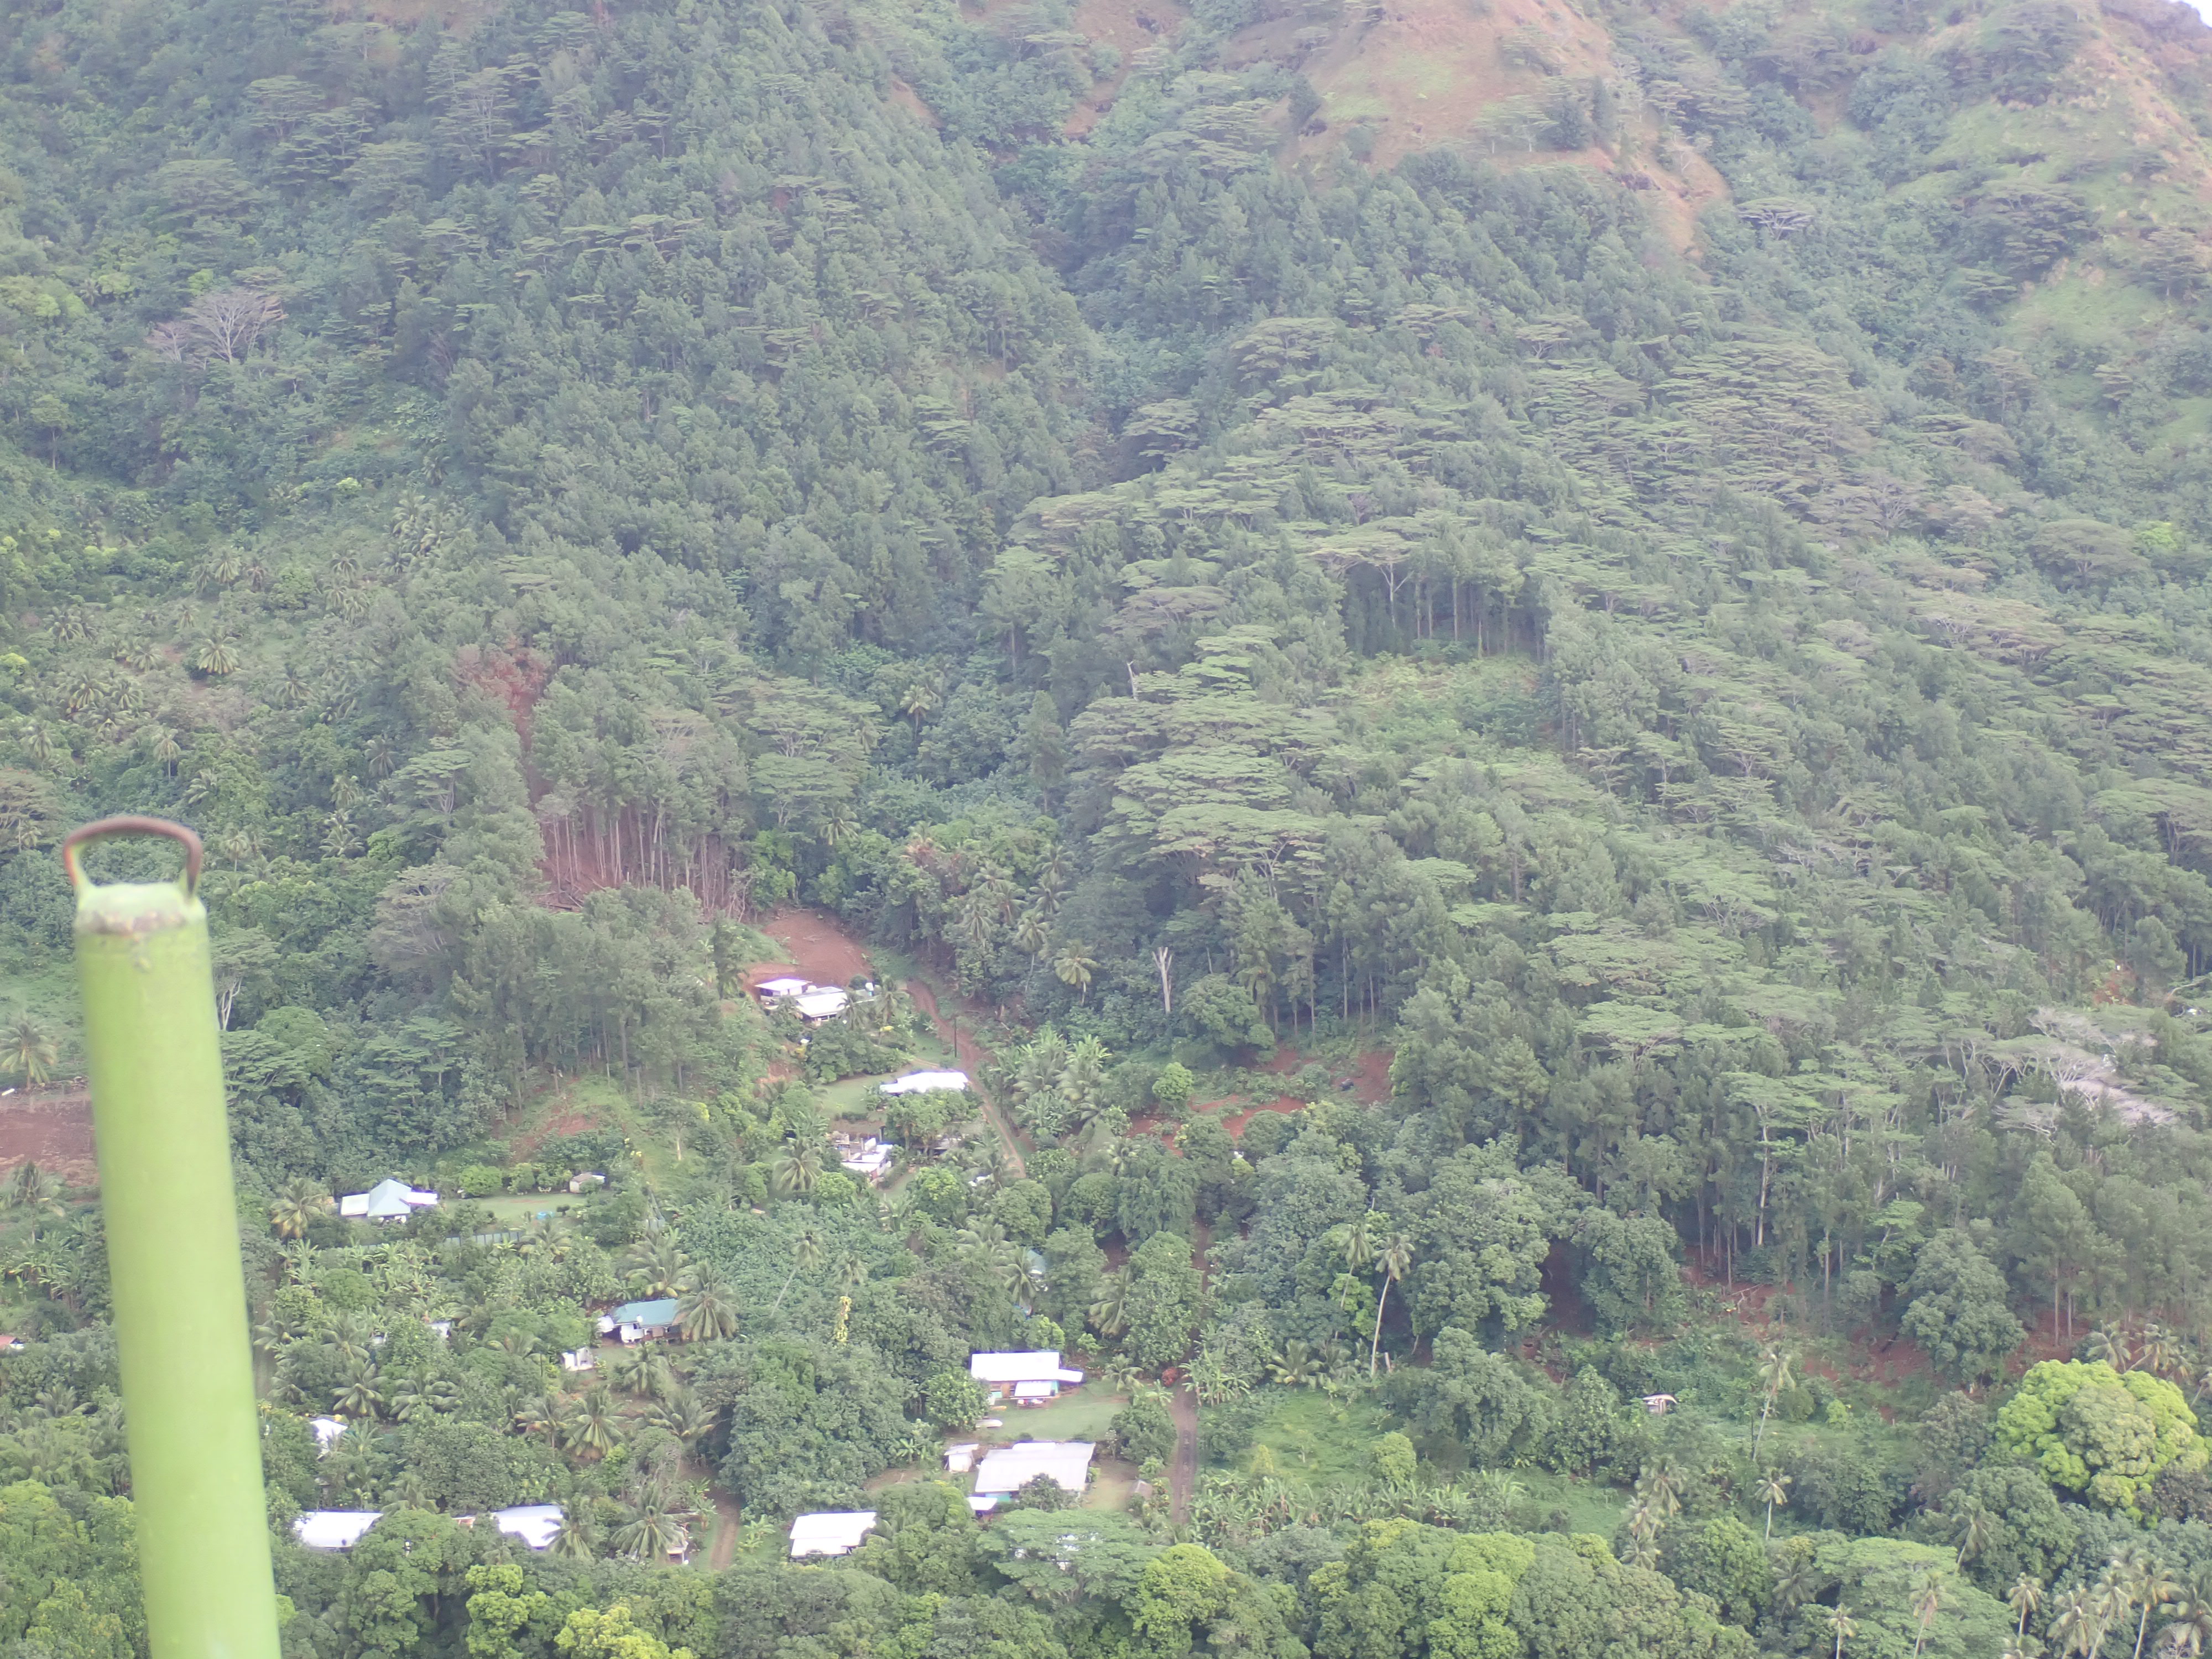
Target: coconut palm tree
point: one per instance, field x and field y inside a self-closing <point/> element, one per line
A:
<point x="805" y="1257"/>
<point x="31" y="1052"/>
<point x="2189" y="1633"/>
<point x="683" y="1414"/>
<point x="1394" y="1257"/>
<point x="792" y="1173"/>
<point x="707" y="1311"/>
<point x="1110" y="1315"/>
<point x="297" y="1203"/>
<point x="1073" y="968"/>
<point x="1773" y="1378"/>
<point x="594" y="1428"/>
<point x="1841" y="1627"/>
<point x="578" y="1538"/>
<point x="1976" y="1526"/>
<point x="1927" y="1600"/>
<point x="358" y="1397"/>
<point x="2025" y="1597"/>
<point x="1771" y="1487"/>
<point x="1660" y="1488"/>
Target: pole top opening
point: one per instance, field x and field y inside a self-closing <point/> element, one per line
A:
<point x="134" y="907"/>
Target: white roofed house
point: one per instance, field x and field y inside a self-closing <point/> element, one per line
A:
<point x="836" y="1532"/>
<point x="334" y="1530"/>
<point x="536" y="1524"/>
<point x="1027" y="1379"/>
<point x="770" y="991"/>
<point x="820" y="1002"/>
<point x="917" y="1082"/>
<point x="387" y="1201"/>
<point x="1005" y="1470"/>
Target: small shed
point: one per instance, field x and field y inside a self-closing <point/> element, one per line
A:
<point x="326" y="1430"/>
<point x="579" y="1360"/>
<point x="584" y="1181"/>
<point x="959" y="1460"/>
<point x="1659" y="1404"/>
<point x="770" y="990"/>
<point x="334" y="1530"/>
<point x="836" y="1532"/>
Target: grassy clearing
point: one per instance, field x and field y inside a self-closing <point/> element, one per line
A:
<point x="1314" y="1438"/>
<point x="1083" y="1414"/>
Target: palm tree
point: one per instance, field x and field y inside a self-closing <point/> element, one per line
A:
<point x="1976" y="1526"/>
<point x="593" y="1429"/>
<point x="211" y="654"/>
<point x="706" y="1312"/>
<point x="31" y="1052"/>
<point x="1074" y="970"/>
<point x="358" y="1397"/>
<point x="1771" y="1487"/>
<point x="2189" y="1633"/>
<point x="1659" y="1488"/>
<point x="805" y="1257"/>
<point x="296" y="1204"/>
<point x="1927" y="1602"/>
<point x="2111" y="1349"/>
<point x="657" y="1267"/>
<point x="683" y="1415"/>
<point x="1110" y="1315"/>
<point x="2148" y="1584"/>
<point x="2025" y="1597"/>
<point x="1773" y="1378"/>
<point x="647" y="1532"/>
<point x="1032" y="934"/>
<point x="1841" y="1626"/>
<point x="578" y="1538"/>
<point x="792" y="1173"/>
<point x="2078" y="1627"/>
<point x="1395" y="1258"/>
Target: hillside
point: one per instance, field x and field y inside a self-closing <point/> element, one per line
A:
<point x="1531" y="687"/>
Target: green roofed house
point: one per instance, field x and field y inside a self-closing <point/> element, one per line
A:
<point x="640" y="1322"/>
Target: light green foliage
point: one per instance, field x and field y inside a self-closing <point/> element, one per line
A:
<point x="953" y="1400"/>
<point x="589" y="1633"/>
<point x="1406" y="1589"/>
<point x="2096" y="1432"/>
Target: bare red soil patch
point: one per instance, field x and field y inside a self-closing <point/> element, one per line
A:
<point x="51" y="1127"/>
<point x="820" y="949"/>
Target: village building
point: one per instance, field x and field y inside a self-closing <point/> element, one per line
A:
<point x="1005" y="1470"/>
<point x="387" y="1201"/>
<point x="836" y="1532"/>
<point x="1025" y="1379"/>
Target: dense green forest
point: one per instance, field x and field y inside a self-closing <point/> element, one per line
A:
<point x="1640" y="673"/>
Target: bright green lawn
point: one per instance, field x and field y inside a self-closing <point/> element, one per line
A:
<point x="1317" y="1439"/>
<point x="1081" y="1415"/>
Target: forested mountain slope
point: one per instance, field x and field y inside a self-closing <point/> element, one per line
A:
<point x="1654" y="563"/>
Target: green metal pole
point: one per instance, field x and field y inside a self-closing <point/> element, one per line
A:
<point x="178" y="1290"/>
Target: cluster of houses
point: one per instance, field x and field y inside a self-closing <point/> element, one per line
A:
<point x="536" y="1524"/>
<point x="813" y="1003"/>
<point x="1030" y="1378"/>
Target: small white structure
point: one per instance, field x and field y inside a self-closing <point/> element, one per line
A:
<point x="584" y="1181"/>
<point x="441" y="1329"/>
<point x="1659" y="1404"/>
<point x="869" y="1159"/>
<point x="768" y="990"/>
<point x="327" y="1431"/>
<point x="1005" y="1470"/>
<point x="334" y="1530"/>
<point x="837" y="1532"/>
<point x="917" y="1082"/>
<point x="387" y="1201"/>
<point x="959" y="1460"/>
<point x="535" y="1524"/>
<point x="579" y="1360"/>
<point x="1028" y="1379"/>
